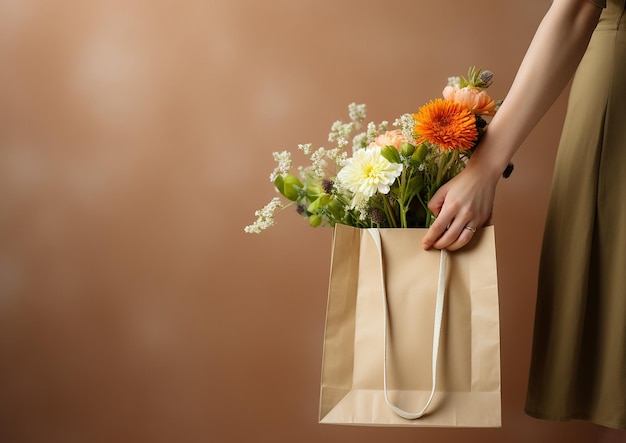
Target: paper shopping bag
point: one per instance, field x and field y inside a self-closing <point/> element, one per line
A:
<point x="412" y="336"/>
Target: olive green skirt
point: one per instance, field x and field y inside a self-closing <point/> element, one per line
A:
<point x="578" y="368"/>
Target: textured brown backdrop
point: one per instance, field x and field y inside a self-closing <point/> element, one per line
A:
<point x="135" y="144"/>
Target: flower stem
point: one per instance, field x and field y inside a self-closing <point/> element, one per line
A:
<point x="389" y="213"/>
<point x="430" y="218"/>
<point x="403" y="212"/>
<point x="401" y="201"/>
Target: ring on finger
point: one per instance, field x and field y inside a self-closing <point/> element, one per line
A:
<point x="470" y="228"/>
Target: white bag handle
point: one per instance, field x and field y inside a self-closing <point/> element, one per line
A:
<point x="441" y="289"/>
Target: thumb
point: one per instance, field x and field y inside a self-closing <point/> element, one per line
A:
<point x="436" y="202"/>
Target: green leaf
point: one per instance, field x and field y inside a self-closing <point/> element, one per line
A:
<point x="336" y="208"/>
<point x="416" y="184"/>
<point x="325" y="199"/>
<point x="280" y="184"/>
<point x="420" y="152"/>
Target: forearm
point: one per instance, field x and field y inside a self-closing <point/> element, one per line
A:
<point x="549" y="64"/>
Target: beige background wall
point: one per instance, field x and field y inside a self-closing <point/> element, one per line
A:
<point x="135" y="145"/>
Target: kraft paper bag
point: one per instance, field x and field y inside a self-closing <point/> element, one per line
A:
<point x="412" y="337"/>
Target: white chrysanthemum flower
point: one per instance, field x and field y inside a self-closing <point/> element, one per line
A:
<point x="366" y="173"/>
<point x="265" y="217"/>
<point x="284" y="164"/>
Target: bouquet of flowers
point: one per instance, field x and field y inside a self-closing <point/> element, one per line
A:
<point x="390" y="175"/>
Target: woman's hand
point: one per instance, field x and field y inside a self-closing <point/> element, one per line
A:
<point x="461" y="206"/>
<point x="464" y="203"/>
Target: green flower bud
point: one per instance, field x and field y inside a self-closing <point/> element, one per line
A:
<point x="314" y="206"/>
<point x="407" y="149"/>
<point x="319" y="202"/>
<point x="314" y="190"/>
<point x="289" y="186"/>
<point x="315" y="220"/>
<point x="391" y="154"/>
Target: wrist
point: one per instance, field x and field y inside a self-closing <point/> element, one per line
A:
<point x="490" y="169"/>
<point x="492" y="156"/>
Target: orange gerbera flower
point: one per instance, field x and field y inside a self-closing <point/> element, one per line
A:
<point x="446" y="124"/>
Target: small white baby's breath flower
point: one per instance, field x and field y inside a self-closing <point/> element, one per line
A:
<point x="319" y="163"/>
<point x="362" y="208"/>
<point x="306" y="172"/>
<point x="454" y="81"/>
<point x="334" y="153"/>
<point x="406" y="123"/>
<point x="372" y="132"/>
<point x="284" y="164"/>
<point x="306" y="148"/>
<point x="334" y="131"/>
<point x="359" y="141"/>
<point x="265" y="217"/>
<point x="341" y="159"/>
<point x="337" y="155"/>
<point x="357" y="112"/>
<point x="340" y="131"/>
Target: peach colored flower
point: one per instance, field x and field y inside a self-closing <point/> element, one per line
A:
<point x="476" y="100"/>
<point x="393" y="138"/>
